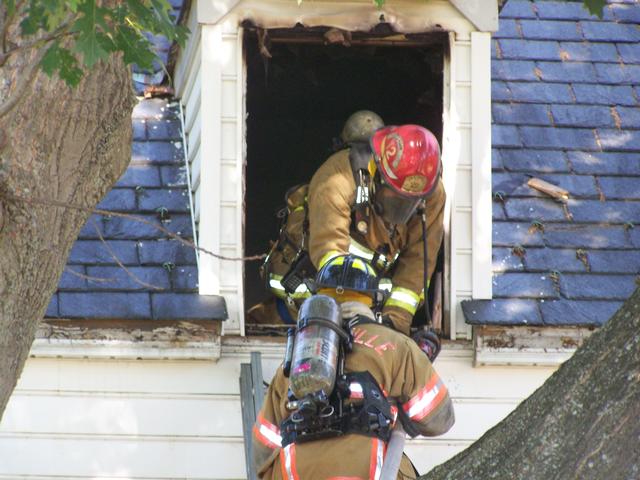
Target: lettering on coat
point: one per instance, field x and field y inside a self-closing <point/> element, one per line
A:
<point x="374" y="342"/>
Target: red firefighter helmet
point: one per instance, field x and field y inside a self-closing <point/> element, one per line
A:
<point x="408" y="158"/>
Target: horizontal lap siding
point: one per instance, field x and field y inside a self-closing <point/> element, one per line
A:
<point x="99" y="419"/>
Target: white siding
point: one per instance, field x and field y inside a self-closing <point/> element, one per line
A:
<point x="105" y="419"/>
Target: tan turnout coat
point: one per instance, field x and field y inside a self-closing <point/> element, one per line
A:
<point x="331" y="196"/>
<point x="404" y="374"/>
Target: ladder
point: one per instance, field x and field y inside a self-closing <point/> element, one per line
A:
<point x="252" y="391"/>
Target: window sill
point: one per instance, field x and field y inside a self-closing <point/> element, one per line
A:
<point x="128" y="339"/>
<point x="526" y="346"/>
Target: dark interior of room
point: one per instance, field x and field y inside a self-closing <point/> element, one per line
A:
<point x="297" y="102"/>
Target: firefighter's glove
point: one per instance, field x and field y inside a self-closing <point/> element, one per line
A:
<point x="429" y="343"/>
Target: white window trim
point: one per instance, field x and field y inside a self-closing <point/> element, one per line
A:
<point x="481" y="164"/>
<point x="218" y="25"/>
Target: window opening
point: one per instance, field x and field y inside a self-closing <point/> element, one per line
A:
<point x="298" y="97"/>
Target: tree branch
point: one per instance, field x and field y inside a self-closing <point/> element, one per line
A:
<point x="88" y="277"/>
<point x="38" y="42"/>
<point x="22" y="84"/>
<point x="120" y="264"/>
<point x="136" y="218"/>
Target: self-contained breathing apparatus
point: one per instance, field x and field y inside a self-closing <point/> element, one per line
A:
<point x="324" y="401"/>
<point x="394" y="169"/>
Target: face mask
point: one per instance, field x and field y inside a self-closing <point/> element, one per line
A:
<point x="394" y="208"/>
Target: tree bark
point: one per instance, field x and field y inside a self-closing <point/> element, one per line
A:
<point x="69" y="145"/>
<point x="582" y="423"/>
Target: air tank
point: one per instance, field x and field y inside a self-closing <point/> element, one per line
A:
<point x="315" y="354"/>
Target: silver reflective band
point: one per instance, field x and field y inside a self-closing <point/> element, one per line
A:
<point x="273" y="283"/>
<point x="405" y="298"/>
<point x="358" y="250"/>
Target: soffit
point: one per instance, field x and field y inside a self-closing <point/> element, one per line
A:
<point x="404" y="16"/>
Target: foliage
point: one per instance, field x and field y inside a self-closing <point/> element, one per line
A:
<point x="595" y="7"/>
<point x="78" y="33"/>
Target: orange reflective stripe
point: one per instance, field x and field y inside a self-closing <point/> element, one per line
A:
<point x="377" y="458"/>
<point x="267" y="433"/>
<point x="426" y="400"/>
<point x="394" y="414"/>
<point x="288" y="462"/>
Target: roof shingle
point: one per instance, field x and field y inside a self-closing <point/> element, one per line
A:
<point x="136" y="270"/>
<point x="566" y="110"/>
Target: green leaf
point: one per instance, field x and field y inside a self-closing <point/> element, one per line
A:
<point x="35" y="19"/>
<point x="595" y="7"/>
<point x="56" y="11"/>
<point x="60" y="60"/>
<point x="90" y="41"/>
<point x="135" y="47"/>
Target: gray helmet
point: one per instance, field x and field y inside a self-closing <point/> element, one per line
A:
<point x="360" y="126"/>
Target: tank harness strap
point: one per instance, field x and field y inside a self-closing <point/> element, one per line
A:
<point x="379" y="320"/>
<point x="369" y="415"/>
<point x="359" y="157"/>
<point x="345" y="336"/>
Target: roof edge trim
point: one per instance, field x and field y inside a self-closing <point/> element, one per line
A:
<point x="482" y="13"/>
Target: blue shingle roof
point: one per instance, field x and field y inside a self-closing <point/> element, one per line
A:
<point x="159" y="278"/>
<point x="162" y="47"/>
<point x="565" y="109"/>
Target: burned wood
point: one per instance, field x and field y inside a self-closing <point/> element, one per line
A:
<point x="158" y="91"/>
<point x="336" y="35"/>
<point x="174" y="332"/>
<point x="530" y="338"/>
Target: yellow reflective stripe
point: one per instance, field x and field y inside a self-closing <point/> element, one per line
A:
<point x="405" y="306"/>
<point x="301" y="292"/>
<point x="297" y="209"/>
<point x="404" y="298"/>
<point x="408" y="295"/>
<point x="328" y="256"/>
<point x="359" y="264"/>
<point x="278" y="290"/>
<point x="359" y="250"/>
<point x="371" y="270"/>
<point x="276" y="287"/>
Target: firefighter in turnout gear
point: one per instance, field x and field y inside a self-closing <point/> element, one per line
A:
<point x="382" y="373"/>
<point x="377" y="199"/>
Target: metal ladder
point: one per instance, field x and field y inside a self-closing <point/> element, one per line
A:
<point x="252" y="391"/>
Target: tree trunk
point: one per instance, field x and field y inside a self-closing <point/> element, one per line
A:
<point x="57" y="143"/>
<point x="583" y="423"/>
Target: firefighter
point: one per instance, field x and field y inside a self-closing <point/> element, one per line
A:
<point x="402" y="378"/>
<point x="376" y="199"/>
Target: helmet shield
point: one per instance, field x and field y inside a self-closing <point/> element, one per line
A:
<point x="395" y="209"/>
<point x="408" y="159"/>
